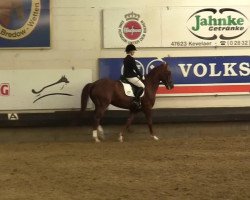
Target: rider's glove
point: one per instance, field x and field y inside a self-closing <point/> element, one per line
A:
<point x="143" y="78"/>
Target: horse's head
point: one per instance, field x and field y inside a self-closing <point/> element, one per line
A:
<point x="165" y="76"/>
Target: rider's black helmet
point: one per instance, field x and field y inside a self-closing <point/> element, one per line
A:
<point x="130" y="47"/>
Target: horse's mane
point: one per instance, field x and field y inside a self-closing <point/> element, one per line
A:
<point x="154" y="70"/>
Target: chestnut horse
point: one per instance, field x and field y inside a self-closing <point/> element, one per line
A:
<point x="104" y="92"/>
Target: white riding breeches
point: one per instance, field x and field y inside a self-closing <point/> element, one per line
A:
<point x="136" y="81"/>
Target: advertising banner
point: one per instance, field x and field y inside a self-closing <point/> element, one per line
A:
<point x="206" y="26"/>
<point x="220" y="75"/>
<point x="139" y="26"/>
<point x="177" y="27"/>
<point x="43" y="90"/>
<point x="24" y="23"/>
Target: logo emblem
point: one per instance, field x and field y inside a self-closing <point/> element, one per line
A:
<point x="38" y="93"/>
<point x="132" y="29"/>
<point x="212" y="24"/>
<point x="14" y="33"/>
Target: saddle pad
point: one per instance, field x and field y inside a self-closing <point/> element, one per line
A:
<point x="128" y="90"/>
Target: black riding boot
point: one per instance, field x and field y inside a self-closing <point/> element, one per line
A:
<point x="137" y="99"/>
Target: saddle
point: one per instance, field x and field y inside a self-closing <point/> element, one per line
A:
<point x="129" y="89"/>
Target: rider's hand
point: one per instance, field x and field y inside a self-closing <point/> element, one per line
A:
<point x="143" y="77"/>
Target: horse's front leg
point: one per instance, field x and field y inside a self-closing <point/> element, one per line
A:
<point x="126" y="127"/>
<point x="148" y="114"/>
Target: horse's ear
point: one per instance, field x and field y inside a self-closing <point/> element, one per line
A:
<point x="165" y="65"/>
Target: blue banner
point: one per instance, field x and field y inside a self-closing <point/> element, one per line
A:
<point x="193" y="75"/>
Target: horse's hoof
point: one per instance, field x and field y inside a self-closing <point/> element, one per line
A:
<point x="101" y="135"/>
<point x="130" y="130"/>
<point x="97" y="140"/>
<point x="100" y="132"/>
<point x="120" y="139"/>
<point x="155" y="138"/>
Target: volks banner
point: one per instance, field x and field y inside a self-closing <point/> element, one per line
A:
<point x="25" y="23"/>
<point x="192" y="75"/>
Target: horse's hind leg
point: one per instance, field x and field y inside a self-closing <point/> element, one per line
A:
<point x="98" y="114"/>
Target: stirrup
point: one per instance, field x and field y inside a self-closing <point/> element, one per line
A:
<point x="136" y="104"/>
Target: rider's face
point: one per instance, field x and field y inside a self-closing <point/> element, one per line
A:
<point x="132" y="53"/>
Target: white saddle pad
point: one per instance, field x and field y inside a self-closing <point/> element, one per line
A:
<point x="128" y="90"/>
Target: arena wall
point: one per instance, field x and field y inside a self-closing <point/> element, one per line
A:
<point x="76" y="35"/>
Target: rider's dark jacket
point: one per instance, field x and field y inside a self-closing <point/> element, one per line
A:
<point x="130" y="69"/>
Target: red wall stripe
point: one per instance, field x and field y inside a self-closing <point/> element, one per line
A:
<point x="204" y="89"/>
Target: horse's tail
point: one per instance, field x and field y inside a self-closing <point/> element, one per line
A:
<point x="85" y="96"/>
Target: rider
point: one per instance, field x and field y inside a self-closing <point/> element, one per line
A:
<point x="132" y="73"/>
